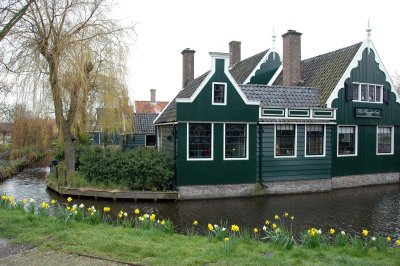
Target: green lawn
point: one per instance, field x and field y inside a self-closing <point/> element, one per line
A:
<point x="153" y="247"/>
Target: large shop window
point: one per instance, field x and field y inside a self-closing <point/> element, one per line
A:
<point x="285" y="140"/>
<point x="368" y="92"/>
<point x="219" y="93"/>
<point x="384" y="140"/>
<point x="347" y="140"/>
<point x="315" y="135"/>
<point x="235" y="140"/>
<point x="200" y="139"/>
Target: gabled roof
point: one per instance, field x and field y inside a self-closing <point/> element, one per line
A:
<point x="240" y="72"/>
<point x="278" y="96"/>
<point x="324" y="71"/>
<point x="149" y="107"/>
<point x="143" y="123"/>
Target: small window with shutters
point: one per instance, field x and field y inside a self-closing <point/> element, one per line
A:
<point x="365" y="92"/>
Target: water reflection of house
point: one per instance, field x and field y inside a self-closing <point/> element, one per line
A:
<point x="291" y="125"/>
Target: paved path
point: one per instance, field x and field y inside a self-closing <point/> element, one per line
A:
<point x="25" y="255"/>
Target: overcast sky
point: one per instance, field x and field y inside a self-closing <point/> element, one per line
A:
<point x="165" y="28"/>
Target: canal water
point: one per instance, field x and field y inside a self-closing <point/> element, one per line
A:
<point x="374" y="208"/>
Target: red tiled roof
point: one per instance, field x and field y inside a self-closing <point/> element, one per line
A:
<point x="148" y="107"/>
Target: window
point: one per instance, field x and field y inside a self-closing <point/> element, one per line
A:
<point x="235" y="141"/>
<point x="150" y="140"/>
<point x="219" y="93"/>
<point x="315" y="140"/>
<point x="200" y="140"/>
<point x="285" y="140"/>
<point x="367" y="92"/>
<point x="347" y="140"/>
<point x="384" y="140"/>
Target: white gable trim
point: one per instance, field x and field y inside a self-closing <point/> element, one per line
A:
<point x="158" y="116"/>
<point x="225" y="57"/>
<point x="275" y="75"/>
<point x="353" y="64"/>
<point x="262" y="61"/>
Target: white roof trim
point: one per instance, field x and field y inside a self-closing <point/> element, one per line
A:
<point x="272" y="80"/>
<point x="263" y="60"/>
<point x="353" y="64"/>
<point x="214" y="56"/>
<point x="165" y="108"/>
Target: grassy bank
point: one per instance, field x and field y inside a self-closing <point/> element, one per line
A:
<point x="157" y="247"/>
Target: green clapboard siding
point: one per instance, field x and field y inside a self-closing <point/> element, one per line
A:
<point x="301" y="167"/>
<point x="267" y="70"/>
<point x="217" y="171"/>
<point x="366" y="161"/>
<point x="135" y="140"/>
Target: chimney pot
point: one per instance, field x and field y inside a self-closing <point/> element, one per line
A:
<point x="234" y="53"/>
<point x="291" y="58"/>
<point x="187" y="66"/>
<point x="152" y="95"/>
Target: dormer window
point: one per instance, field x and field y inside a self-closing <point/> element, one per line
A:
<point x="365" y="92"/>
<point x="219" y="93"/>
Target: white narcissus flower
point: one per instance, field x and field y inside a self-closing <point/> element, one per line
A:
<point x="373" y="238"/>
<point x="74" y="206"/>
<point x="319" y="231"/>
<point x="32" y="200"/>
<point x="146" y="216"/>
<point x="125" y="214"/>
<point x="223" y="229"/>
<point x="264" y="228"/>
<point x="81" y="206"/>
<point x="342" y="233"/>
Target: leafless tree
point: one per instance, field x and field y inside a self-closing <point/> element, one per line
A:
<point x="74" y="52"/>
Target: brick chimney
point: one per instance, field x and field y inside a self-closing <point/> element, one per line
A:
<point x="291" y="58"/>
<point x="153" y="96"/>
<point x="234" y="53"/>
<point x="187" y="66"/>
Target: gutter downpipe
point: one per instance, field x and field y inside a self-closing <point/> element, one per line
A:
<point x="260" y="155"/>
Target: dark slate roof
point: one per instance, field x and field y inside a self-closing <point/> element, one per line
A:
<point x="279" y="96"/>
<point x="240" y="72"/>
<point x="324" y="71"/>
<point x="143" y="123"/>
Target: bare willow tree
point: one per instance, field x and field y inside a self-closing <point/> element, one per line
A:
<point x="77" y="51"/>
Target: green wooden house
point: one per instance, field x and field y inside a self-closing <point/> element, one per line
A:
<point x="287" y="124"/>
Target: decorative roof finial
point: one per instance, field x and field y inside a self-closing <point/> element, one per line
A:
<point x="273" y="42"/>
<point x="369" y="29"/>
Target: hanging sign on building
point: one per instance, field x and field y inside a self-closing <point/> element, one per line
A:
<point x="368" y="112"/>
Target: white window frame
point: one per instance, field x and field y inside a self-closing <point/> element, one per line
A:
<point x="295" y="143"/>
<point x="247" y="143"/>
<point x="145" y="140"/>
<point x="187" y="142"/>
<point x="368" y="84"/>
<point x="391" y="141"/>
<point x="355" y="141"/>
<point x="305" y="141"/>
<point x="225" y="93"/>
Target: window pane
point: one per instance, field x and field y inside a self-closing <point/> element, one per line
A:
<point x="235" y="141"/>
<point x="315" y="140"/>
<point x="364" y="92"/>
<point x="384" y="140"/>
<point x="346" y="139"/>
<point x="378" y="93"/>
<point x="285" y="140"/>
<point x="219" y="93"/>
<point x="200" y="140"/>
<point x="150" y="140"/>
<point x="371" y="93"/>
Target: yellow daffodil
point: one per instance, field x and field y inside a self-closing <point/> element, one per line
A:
<point x="75" y="212"/>
<point x="10" y="198"/>
<point x="4" y="197"/>
<point x="13" y="203"/>
<point x="106" y="209"/>
<point x="235" y="228"/>
<point x="388" y="239"/>
<point x="365" y="232"/>
<point x="226" y="239"/>
<point x="152" y="217"/>
<point x="255" y="230"/>
<point x="137" y="211"/>
<point x="195" y="222"/>
<point x="69" y="199"/>
<point x="274" y="226"/>
<point x="276" y="217"/>
<point x="89" y="209"/>
<point x="120" y="215"/>
<point x="332" y="231"/>
<point x="52" y="202"/>
<point x="24" y="201"/>
<point x="398" y="242"/>
<point x="210" y="227"/>
<point x="45" y="205"/>
<point x="312" y="232"/>
<point x="141" y="218"/>
<point x="267" y="222"/>
<point x="92" y="214"/>
<point x="162" y="222"/>
<point x="68" y="208"/>
<point x="286" y="214"/>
